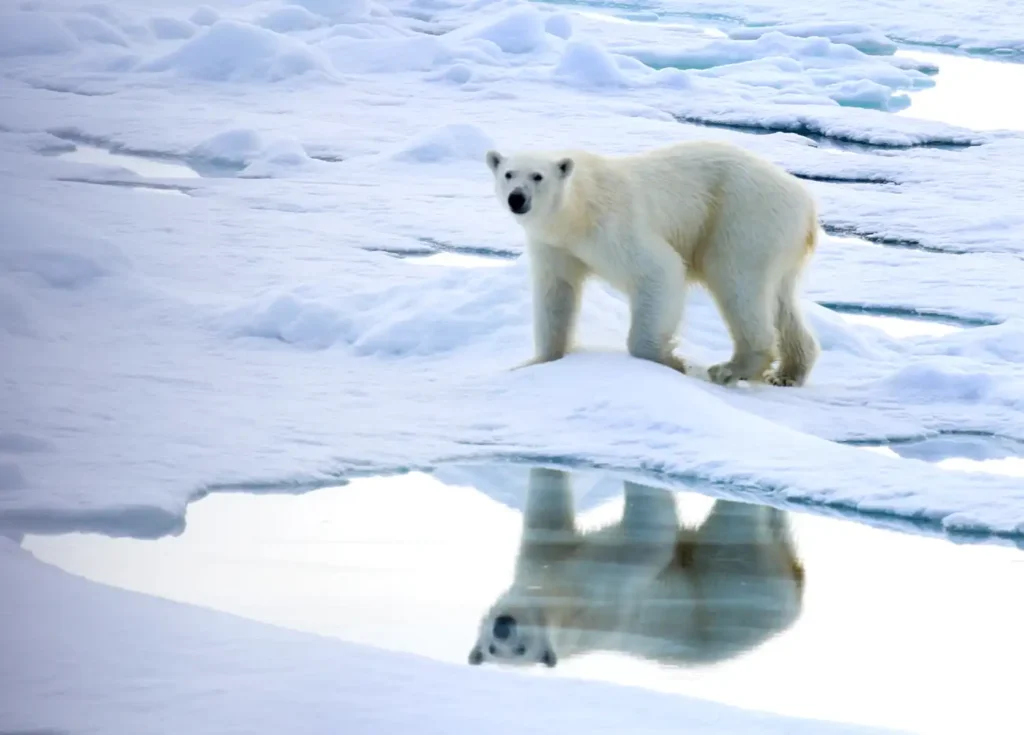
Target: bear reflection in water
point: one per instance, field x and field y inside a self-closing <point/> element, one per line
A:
<point x="645" y="586"/>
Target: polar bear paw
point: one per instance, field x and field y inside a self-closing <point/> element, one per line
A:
<point x="675" y="362"/>
<point x="532" y="362"/>
<point x="781" y="380"/>
<point x="722" y="374"/>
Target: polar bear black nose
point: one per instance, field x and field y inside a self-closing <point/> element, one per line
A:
<point x="517" y="202"/>
<point x="503" y="626"/>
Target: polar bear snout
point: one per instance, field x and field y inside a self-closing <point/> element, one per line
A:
<point x="513" y="639"/>
<point x="504" y="627"/>
<point x="518" y="202"/>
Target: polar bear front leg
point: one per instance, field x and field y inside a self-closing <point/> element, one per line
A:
<point x="656" y="305"/>
<point x="557" y="288"/>
<point x="650" y="525"/>
<point x="549" y="505"/>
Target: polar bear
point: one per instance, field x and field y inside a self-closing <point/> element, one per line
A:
<point x="648" y="224"/>
<point x="645" y="586"/>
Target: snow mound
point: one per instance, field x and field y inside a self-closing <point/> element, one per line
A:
<point x="517" y="31"/>
<point x="868" y="94"/>
<point x="90" y="28"/>
<point x="386" y="55"/>
<point x="15" y="443"/>
<point x="204" y="15"/>
<point x="11" y="477"/>
<point x="673" y="78"/>
<point x="291" y="18"/>
<point x="455" y="142"/>
<point x="231" y="147"/>
<point x="1004" y="342"/>
<point x="432" y="316"/>
<point x="456" y="73"/>
<point x="443" y="315"/>
<point x="61" y="256"/>
<point x="14" y="318"/>
<point x="559" y="24"/>
<point x="809" y="70"/>
<point x="37" y="142"/>
<point x="939" y="381"/>
<point x="235" y="51"/>
<point x="295" y="318"/>
<point x="33" y="34"/>
<point x="166" y="28"/>
<point x="587" y="64"/>
<point x="339" y="11"/>
<point x="861" y="36"/>
<point x="246" y="147"/>
<point x="279" y="157"/>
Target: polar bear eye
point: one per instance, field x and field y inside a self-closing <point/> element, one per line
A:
<point x="537" y="177"/>
<point x="508" y="174"/>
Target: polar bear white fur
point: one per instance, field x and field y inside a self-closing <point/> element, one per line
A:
<point x="648" y="224"/>
<point x="645" y="586"/>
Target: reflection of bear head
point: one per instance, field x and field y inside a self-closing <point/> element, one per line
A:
<point x="530" y="186"/>
<point x="514" y="633"/>
<point x="648" y="585"/>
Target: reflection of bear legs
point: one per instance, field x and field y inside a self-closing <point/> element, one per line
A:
<point x="549" y="504"/>
<point x="650" y="528"/>
<point x="748" y="574"/>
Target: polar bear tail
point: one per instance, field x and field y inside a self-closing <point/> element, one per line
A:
<point x="811" y="238"/>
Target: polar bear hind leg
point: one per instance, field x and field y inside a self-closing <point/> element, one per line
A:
<point x="748" y="308"/>
<point x="798" y="347"/>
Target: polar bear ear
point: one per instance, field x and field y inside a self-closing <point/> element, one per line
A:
<point x="476" y="656"/>
<point x="565" y="167"/>
<point x="494" y="160"/>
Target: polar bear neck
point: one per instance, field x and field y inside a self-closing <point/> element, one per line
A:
<point x="585" y="201"/>
<point x="575" y="622"/>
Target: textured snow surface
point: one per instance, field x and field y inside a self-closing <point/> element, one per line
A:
<point x="204" y="213"/>
<point x="252" y="331"/>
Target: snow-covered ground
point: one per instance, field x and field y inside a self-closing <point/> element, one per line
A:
<point x="983" y="26"/>
<point x="245" y="323"/>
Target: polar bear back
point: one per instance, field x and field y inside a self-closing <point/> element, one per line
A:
<point x="696" y="196"/>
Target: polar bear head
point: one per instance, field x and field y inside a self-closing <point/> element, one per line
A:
<point x="513" y="634"/>
<point x="530" y="185"/>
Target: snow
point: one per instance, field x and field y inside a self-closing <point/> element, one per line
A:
<point x="26" y="34"/>
<point x="257" y="328"/>
<point x="991" y="26"/>
<point x="860" y="36"/>
<point x="233" y="51"/>
<point x="291" y="18"/>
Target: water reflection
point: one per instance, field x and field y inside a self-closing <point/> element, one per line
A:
<point x="969" y="91"/>
<point x="646" y="585"/>
<point x="412" y="563"/>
